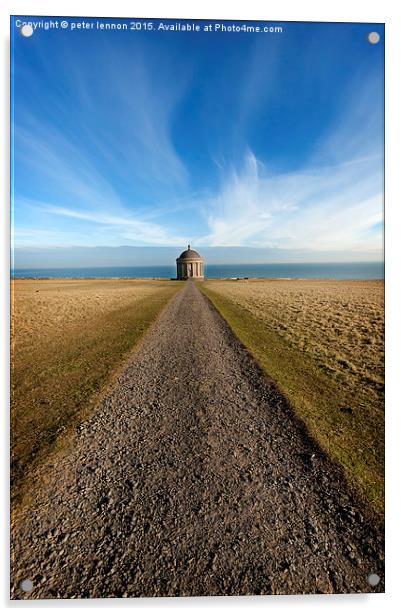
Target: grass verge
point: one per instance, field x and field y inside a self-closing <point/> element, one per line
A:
<point x="342" y="419"/>
<point x="68" y="339"/>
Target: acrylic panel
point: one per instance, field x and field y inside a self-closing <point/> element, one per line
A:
<point x="197" y="307"/>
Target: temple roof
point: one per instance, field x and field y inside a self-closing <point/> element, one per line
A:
<point x="190" y="254"/>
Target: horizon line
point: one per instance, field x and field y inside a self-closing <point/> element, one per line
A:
<point x="382" y="261"/>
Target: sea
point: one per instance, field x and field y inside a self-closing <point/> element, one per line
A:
<point x="339" y="271"/>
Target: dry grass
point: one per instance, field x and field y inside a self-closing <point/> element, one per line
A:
<point x="323" y="342"/>
<point x="68" y="338"/>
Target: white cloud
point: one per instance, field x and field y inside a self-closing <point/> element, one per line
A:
<point x="333" y="207"/>
<point x="107" y="229"/>
<point x="120" y="114"/>
<point x="333" y="201"/>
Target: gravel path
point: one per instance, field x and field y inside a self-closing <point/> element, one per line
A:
<point x="193" y="477"/>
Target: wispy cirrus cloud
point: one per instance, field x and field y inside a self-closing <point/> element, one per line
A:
<point x="332" y="207"/>
<point x="126" y="228"/>
<point x="333" y="201"/>
<point x="97" y="149"/>
<point x="105" y="229"/>
<point x="69" y="181"/>
<point x="115" y="108"/>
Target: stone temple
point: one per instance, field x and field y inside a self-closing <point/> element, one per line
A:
<point x="190" y="265"/>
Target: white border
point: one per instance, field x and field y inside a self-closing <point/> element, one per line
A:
<point x="290" y="10"/>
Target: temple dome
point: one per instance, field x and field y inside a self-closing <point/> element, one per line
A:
<point x="189" y="254"/>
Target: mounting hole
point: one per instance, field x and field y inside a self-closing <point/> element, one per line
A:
<point x="26" y="30"/>
<point x="373" y="37"/>
<point x="373" y="579"/>
<point x="26" y="585"/>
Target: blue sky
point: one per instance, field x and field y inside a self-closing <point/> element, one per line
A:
<point x="268" y="142"/>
